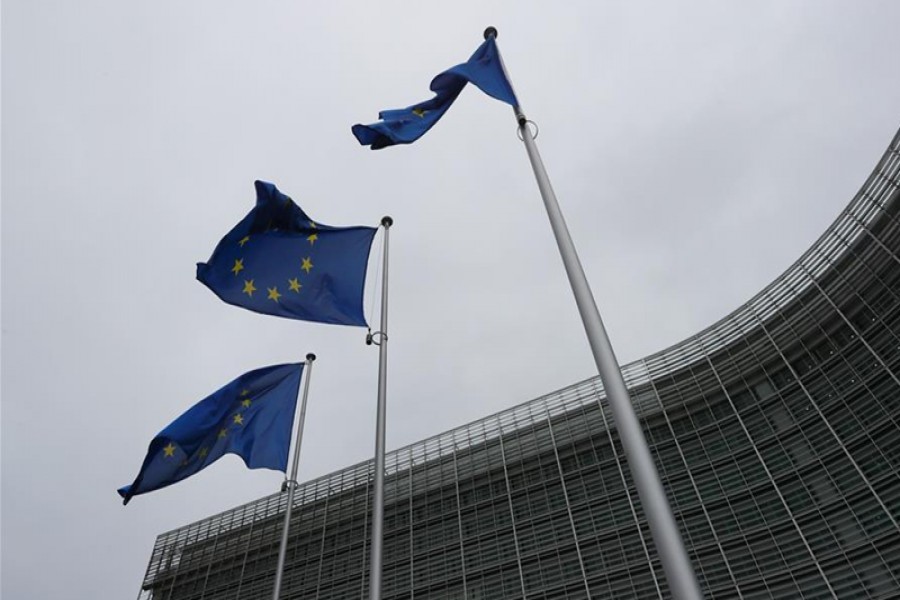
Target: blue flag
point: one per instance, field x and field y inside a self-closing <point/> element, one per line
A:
<point x="406" y="125"/>
<point x="251" y="417"/>
<point x="278" y="261"/>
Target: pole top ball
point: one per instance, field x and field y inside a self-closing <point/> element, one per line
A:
<point x="310" y="357"/>
<point x="490" y="32"/>
<point x="387" y="221"/>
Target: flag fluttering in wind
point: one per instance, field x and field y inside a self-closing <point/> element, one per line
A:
<point x="278" y="261"/>
<point x="252" y="417"/>
<point x="406" y="125"/>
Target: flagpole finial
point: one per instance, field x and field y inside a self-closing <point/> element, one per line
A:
<point x="310" y="357"/>
<point x="490" y="32"/>
<point x="387" y="221"/>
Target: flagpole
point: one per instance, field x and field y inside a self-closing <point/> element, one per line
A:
<point x="676" y="564"/>
<point x="292" y="482"/>
<point x="378" y="488"/>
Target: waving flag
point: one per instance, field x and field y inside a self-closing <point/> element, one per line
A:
<point x="406" y="125"/>
<point x="251" y="417"/>
<point x="278" y="261"/>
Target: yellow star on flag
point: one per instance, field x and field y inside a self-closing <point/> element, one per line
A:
<point x="249" y="288"/>
<point x="238" y="266"/>
<point x="238" y="419"/>
<point x="307" y="264"/>
<point x="223" y="433"/>
<point x="294" y="285"/>
<point x="245" y="392"/>
<point x="243" y="241"/>
<point x="312" y="238"/>
<point x="203" y="452"/>
<point x="246" y="403"/>
<point x="273" y="293"/>
<point x="169" y="450"/>
<point x="419" y="112"/>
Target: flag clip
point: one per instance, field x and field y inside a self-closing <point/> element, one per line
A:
<point x="527" y="124"/>
<point x="371" y="338"/>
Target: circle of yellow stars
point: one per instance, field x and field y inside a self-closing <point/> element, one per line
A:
<point x="294" y="285"/>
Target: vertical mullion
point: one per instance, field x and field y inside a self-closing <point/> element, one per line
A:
<point x="462" y="551"/>
<point x="562" y="485"/>
<point x="631" y="507"/>
<point x="822" y="416"/>
<point x="512" y="511"/>
<point x="768" y="473"/>
<point x="696" y="489"/>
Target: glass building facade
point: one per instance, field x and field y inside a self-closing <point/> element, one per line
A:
<point x="776" y="432"/>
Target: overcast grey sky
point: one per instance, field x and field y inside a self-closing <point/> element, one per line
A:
<point x="696" y="150"/>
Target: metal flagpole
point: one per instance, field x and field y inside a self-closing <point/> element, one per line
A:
<point x="378" y="499"/>
<point x="292" y="482"/>
<point x="676" y="564"/>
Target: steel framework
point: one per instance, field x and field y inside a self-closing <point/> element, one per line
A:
<point x="776" y="432"/>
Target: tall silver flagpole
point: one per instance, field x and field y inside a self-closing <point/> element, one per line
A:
<point x="378" y="500"/>
<point x="676" y="564"/>
<point x="292" y="482"/>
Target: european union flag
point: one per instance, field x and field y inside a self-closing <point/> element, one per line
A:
<point x="406" y="125"/>
<point x="251" y="417"/>
<point x="278" y="261"/>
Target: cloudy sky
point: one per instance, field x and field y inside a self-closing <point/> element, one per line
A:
<point x="696" y="150"/>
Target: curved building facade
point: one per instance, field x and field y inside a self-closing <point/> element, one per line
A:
<point x="776" y="432"/>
